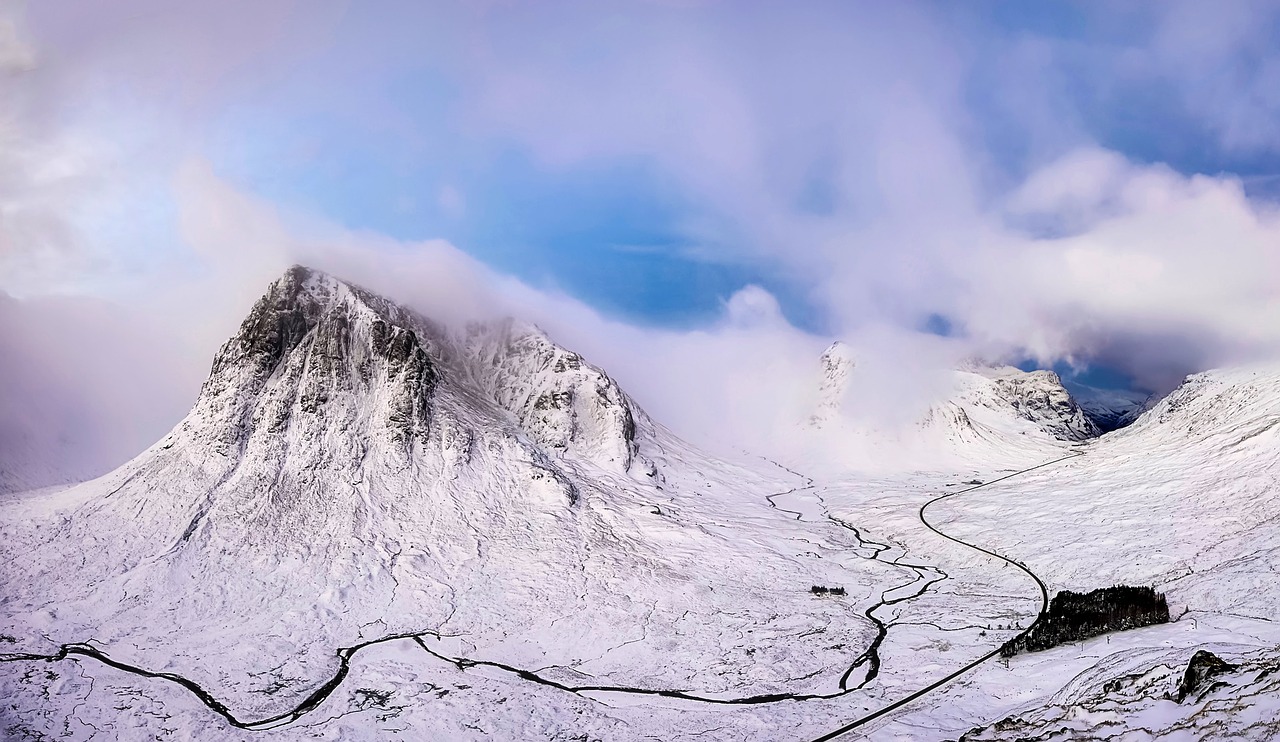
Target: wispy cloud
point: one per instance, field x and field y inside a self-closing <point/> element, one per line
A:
<point x="885" y="163"/>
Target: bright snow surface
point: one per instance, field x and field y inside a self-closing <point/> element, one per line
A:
<point x="352" y="472"/>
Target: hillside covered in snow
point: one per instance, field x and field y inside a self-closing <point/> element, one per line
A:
<point x="373" y="526"/>
<point x="975" y="409"/>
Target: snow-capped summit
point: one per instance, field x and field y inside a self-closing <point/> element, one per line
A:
<point x="836" y="365"/>
<point x="329" y="398"/>
<point x="564" y="403"/>
<point x="316" y="360"/>
<point x="1040" y="397"/>
<point x="964" y="412"/>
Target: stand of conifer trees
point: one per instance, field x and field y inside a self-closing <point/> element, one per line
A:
<point x="1073" y="617"/>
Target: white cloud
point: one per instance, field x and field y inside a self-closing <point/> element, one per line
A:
<point x="1089" y="256"/>
<point x="1158" y="254"/>
<point x="753" y="306"/>
<point x="1223" y="60"/>
<point x="741" y="113"/>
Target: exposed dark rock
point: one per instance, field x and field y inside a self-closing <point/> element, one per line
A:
<point x="307" y="333"/>
<point x="276" y="324"/>
<point x="1201" y="670"/>
<point x="1039" y="396"/>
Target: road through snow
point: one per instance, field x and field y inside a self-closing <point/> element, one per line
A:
<point x="1044" y="604"/>
<point x="925" y="577"/>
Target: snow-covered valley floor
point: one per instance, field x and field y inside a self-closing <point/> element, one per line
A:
<point x="862" y="674"/>
<point x="956" y="607"/>
<point x="368" y="528"/>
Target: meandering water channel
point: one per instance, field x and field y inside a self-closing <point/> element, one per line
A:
<point x="924" y="577"/>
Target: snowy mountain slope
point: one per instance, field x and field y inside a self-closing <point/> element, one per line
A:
<point x="566" y="404"/>
<point x="32" y="461"/>
<point x="1186" y="499"/>
<point x="977" y="411"/>
<point x="352" y="471"/>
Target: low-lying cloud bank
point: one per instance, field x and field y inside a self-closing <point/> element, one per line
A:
<point x="854" y="148"/>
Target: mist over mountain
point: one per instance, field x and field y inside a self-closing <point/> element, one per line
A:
<point x="639" y="371"/>
<point x="354" y="474"/>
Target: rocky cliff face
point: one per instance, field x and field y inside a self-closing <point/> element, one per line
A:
<point x="1040" y="397"/>
<point x="564" y="403"/>
<point x="999" y="393"/>
<point x="322" y="358"/>
<point x="310" y="354"/>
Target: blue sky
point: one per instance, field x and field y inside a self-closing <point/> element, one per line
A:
<point x="978" y="170"/>
<point x="607" y="233"/>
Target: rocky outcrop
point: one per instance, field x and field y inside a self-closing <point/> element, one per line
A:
<point x="1200" y="673"/>
<point x="1040" y="397"/>
<point x="565" y="404"/>
<point x="1140" y="696"/>
<point x="312" y="350"/>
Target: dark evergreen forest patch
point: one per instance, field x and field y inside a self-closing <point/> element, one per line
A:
<point x="1073" y="617"/>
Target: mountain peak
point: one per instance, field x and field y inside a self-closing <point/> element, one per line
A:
<point x="313" y="346"/>
<point x="332" y="407"/>
<point x="837" y="364"/>
<point x="323" y="362"/>
<point x="1039" y="396"/>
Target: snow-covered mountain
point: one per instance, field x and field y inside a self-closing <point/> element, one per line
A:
<point x="976" y="409"/>
<point x="371" y="526"/>
<point x="352" y="470"/>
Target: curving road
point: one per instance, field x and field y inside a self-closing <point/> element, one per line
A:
<point x="926" y="576"/>
<point x="1044" y="604"/>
